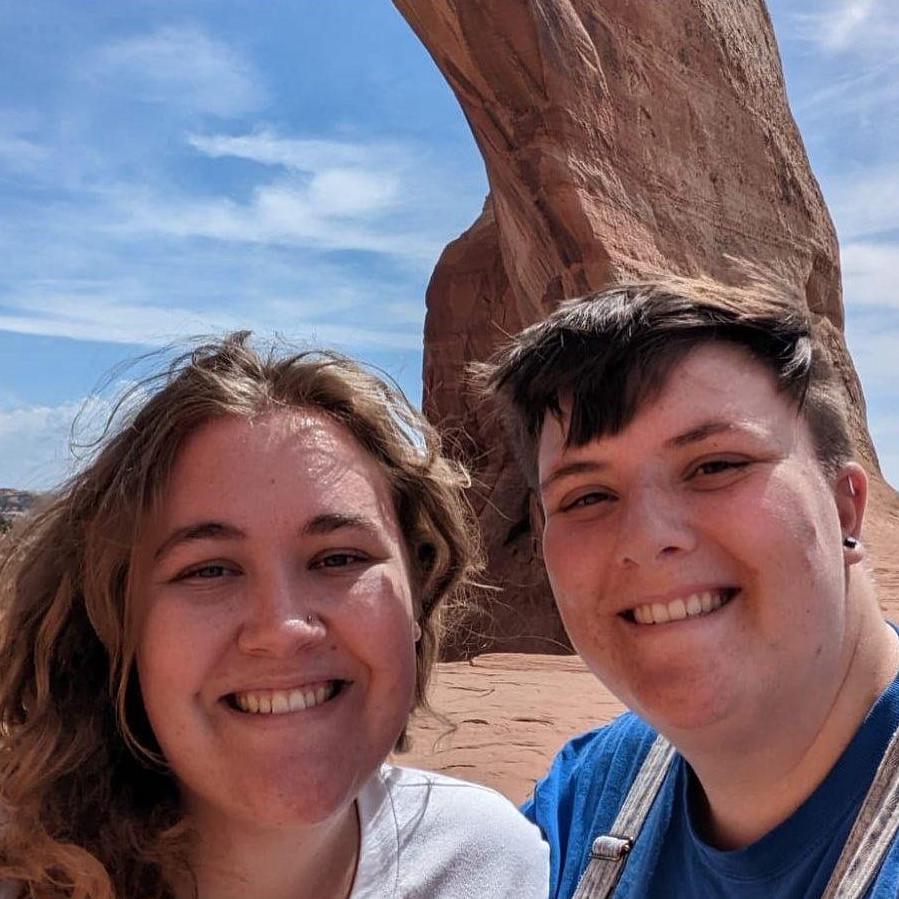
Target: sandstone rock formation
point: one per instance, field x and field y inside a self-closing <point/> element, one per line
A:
<point x="619" y="138"/>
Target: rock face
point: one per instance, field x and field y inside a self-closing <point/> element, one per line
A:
<point x="14" y="504"/>
<point x="619" y="138"/>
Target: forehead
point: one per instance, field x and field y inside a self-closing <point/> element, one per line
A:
<point x="290" y="455"/>
<point x="714" y="382"/>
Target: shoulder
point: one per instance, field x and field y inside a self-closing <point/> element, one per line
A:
<point x="600" y="760"/>
<point x="584" y="789"/>
<point x="454" y="835"/>
<point x="436" y="801"/>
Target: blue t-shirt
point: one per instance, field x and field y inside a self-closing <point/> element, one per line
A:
<point x="580" y="797"/>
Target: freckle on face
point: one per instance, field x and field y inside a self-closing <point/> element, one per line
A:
<point x="771" y="533"/>
<point x="190" y="654"/>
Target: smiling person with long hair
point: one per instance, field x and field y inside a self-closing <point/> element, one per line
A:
<point x="214" y="636"/>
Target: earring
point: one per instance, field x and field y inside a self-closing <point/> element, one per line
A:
<point x="850" y="542"/>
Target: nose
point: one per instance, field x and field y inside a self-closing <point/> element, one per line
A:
<point x="280" y="618"/>
<point x="654" y="526"/>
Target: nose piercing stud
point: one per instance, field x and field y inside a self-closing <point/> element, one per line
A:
<point x="850" y="542"/>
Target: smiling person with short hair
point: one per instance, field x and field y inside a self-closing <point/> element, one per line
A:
<point x="700" y="517"/>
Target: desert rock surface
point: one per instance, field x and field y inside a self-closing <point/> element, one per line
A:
<point x="619" y="139"/>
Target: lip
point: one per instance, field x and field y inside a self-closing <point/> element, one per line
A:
<point x="304" y="683"/>
<point x="344" y="687"/>
<point x="728" y="593"/>
<point x="284" y="683"/>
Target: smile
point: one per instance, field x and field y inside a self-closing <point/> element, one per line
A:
<point x="282" y="702"/>
<point x="693" y="606"/>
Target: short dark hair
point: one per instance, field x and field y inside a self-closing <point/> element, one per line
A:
<point x="610" y="352"/>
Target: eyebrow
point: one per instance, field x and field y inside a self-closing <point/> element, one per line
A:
<point x="584" y="466"/>
<point x="694" y="435"/>
<point x="702" y="432"/>
<point x="328" y="522"/>
<point x="204" y="530"/>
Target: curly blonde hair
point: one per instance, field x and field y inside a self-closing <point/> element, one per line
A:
<point x="89" y="809"/>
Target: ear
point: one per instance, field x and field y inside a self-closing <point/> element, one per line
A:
<point x="416" y="631"/>
<point x="538" y="520"/>
<point x="851" y="495"/>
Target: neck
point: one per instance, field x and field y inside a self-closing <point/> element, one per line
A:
<point x="754" y="777"/>
<point x="232" y="861"/>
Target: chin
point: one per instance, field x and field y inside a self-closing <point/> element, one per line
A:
<point x="296" y="804"/>
<point x="681" y="707"/>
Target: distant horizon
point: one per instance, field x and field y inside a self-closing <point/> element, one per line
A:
<point x="177" y="169"/>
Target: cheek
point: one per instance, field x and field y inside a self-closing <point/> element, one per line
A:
<point x="378" y="622"/>
<point x="575" y="560"/>
<point x="173" y="650"/>
<point x="787" y="536"/>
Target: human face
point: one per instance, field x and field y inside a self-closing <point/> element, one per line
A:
<point x="710" y="501"/>
<point x="274" y="575"/>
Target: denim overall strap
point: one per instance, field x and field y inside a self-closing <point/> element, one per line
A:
<point x="872" y="834"/>
<point x="609" y="851"/>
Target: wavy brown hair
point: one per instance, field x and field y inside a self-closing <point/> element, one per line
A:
<point x="89" y="808"/>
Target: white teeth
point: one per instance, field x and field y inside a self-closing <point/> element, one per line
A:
<point x="279" y="702"/>
<point x="679" y="609"/>
<point x="297" y="700"/>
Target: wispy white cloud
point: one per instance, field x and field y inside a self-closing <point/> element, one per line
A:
<point x="859" y="39"/>
<point x="865" y="202"/>
<point x="18" y="154"/>
<point x="180" y="67"/>
<point x="871" y="275"/>
<point x="873" y="339"/>
<point x="873" y="335"/>
<point x="180" y="260"/>
<point x="306" y="155"/>
<point x="325" y="195"/>
<point x="841" y="26"/>
<point x="282" y="213"/>
<point x="83" y="315"/>
<point x="42" y="445"/>
<point x="885" y="434"/>
<point x="33" y="445"/>
<point x="865" y="95"/>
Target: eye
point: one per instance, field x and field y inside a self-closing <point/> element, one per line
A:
<point x="591" y="498"/>
<point x="342" y="559"/>
<point x="712" y="467"/>
<point x="206" y="572"/>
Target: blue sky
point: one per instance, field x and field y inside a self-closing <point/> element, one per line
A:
<point x="180" y="167"/>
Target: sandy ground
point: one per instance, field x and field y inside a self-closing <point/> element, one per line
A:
<point x="512" y="713"/>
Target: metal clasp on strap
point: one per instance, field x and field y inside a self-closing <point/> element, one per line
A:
<point x="611" y="847"/>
